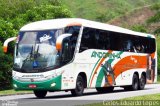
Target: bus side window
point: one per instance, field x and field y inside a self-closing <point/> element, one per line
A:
<point x="88" y="40"/>
<point x="128" y="43"/>
<point x="66" y="54"/>
<point x="84" y="40"/>
<point x="129" y="46"/>
<point x="116" y="41"/>
<point x="73" y="41"/>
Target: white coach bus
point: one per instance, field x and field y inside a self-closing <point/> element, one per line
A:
<point x="72" y="54"/>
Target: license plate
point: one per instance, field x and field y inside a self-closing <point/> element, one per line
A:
<point x="32" y="86"/>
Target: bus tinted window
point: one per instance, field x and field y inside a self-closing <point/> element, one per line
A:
<point x="88" y="40"/>
<point x="108" y="40"/>
<point x="115" y="40"/>
<point x="149" y="44"/>
<point x="103" y="41"/>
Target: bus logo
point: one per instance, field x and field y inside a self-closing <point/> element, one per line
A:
<point x="45" y="37"/>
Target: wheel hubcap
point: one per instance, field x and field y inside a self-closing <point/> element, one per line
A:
<point x="79" y="86"/>
<point x="142" y="82"/>
<point x="135" y="83"/>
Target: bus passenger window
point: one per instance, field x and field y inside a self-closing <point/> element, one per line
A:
<point x="88" y="39"/>
<point x="128" y="45"/>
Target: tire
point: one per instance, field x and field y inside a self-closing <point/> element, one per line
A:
<point x="135" y="84"/>
<point x="78" y="91"/>
<point x="40" y="93"/>
<point x="142" y="82"/>
<point x="104" y="89"/>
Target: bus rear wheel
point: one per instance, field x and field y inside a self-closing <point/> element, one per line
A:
<point x="78" y="91"/>
<point x="135" y="84"/>
<point x="40" y="93"/>
<point x="142" y="82"/>
<point x="104" y="89"/>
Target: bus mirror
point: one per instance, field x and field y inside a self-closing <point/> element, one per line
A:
<point x="5" y="45"/>
<point x="59" y="41"/>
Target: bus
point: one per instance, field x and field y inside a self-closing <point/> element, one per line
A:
<point x="71" y="54"/>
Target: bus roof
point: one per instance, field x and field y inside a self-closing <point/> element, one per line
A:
<point x="63" y="22"/>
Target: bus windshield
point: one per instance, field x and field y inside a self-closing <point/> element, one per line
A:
<point x="36" y="51"/>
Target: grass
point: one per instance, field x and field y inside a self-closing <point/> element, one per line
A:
<point x="13" y="92"/>
<point x="145" y="97"/>
<point x="153" y="98"/>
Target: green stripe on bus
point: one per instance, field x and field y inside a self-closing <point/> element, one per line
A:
<point x="101" y="75"/>
<point x="100" y="78"/>
<point x="93" y="71"/>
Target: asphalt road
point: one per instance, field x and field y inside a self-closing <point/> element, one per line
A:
<point x="66" y="99"/>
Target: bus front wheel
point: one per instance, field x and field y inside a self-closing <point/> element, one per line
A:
<point x="78" y="91"/>
<point x="40" y="93"/>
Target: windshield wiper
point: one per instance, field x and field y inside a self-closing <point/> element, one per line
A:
<point x="29" y="56"/>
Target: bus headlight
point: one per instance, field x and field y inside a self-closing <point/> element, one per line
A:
<point x="53" y="84"/>
<point x="16" y="78"/>
<point x="15" y="85"/>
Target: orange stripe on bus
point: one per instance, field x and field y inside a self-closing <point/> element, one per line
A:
<point x="127" y="64"/>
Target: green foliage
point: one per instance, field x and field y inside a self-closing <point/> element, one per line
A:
<point x="46" y="12"/>
<point x="104" y="10"/>
<point x="139" y="28"/>
<point x="42" y="12"/>
<point x="155" y="18"/>
<point x="157" y="31"/>
<point x="156" y="7"/>
<point x="158" y="79"/>
<point x="158" y="53"/>
<point x="11" y="8"/>
<point x="104" y="17"/>
<point x="6" y="30"/>
<point x="158" y="63"/>
<point x="5" y="70"/>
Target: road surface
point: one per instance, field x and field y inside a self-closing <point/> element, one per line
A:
<point x="66" y="99"/>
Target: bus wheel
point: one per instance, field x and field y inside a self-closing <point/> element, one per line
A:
<point x="78" y="91"/>
<point x="142" y="82"/>
<point x="40" y="93"/>
<point x="135" y="84"/>
<point x="104" y="89"/>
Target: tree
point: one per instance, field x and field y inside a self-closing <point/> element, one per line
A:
<point x="13" y="15"/>
<point x="5" y="69"/>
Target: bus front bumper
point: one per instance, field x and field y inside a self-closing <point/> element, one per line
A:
<point x="53" y="84"/>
